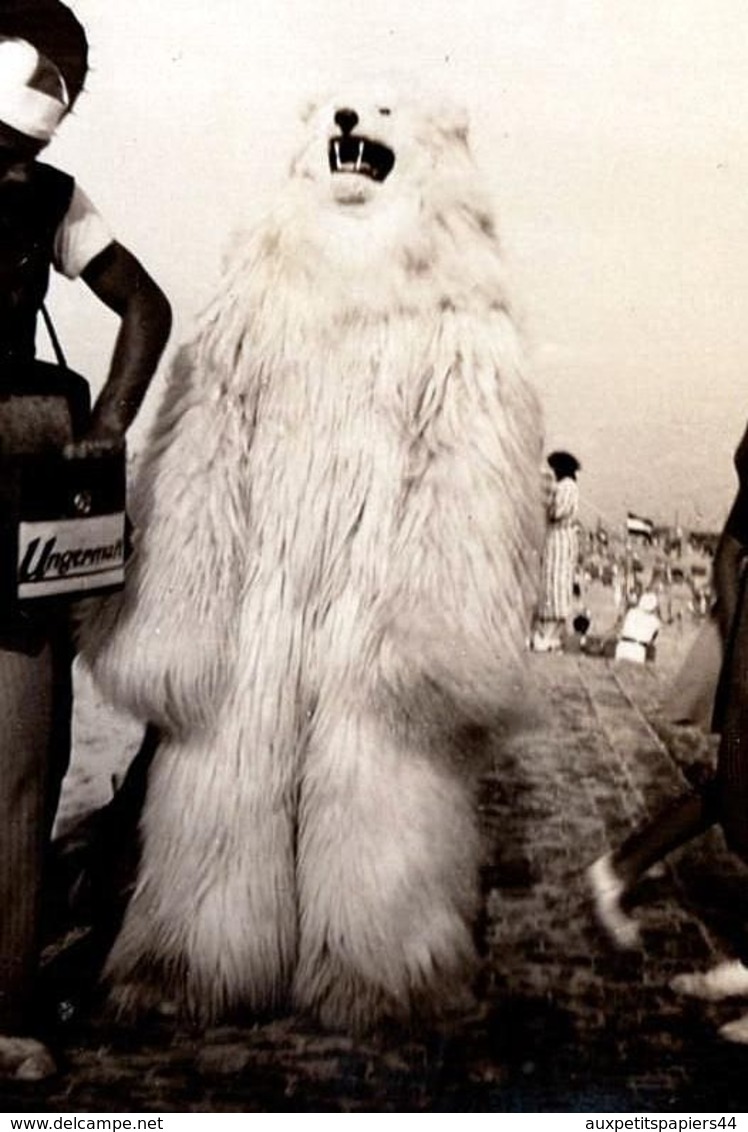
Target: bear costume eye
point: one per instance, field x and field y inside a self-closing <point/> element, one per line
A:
<point x="384" y="110"/>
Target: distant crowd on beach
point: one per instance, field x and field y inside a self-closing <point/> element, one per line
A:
<point x="609" y="593"/>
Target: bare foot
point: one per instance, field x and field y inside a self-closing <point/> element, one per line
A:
<point x="608" y="890"/>
<point x="729" y="979"/>
<point x="25" y="1059"/>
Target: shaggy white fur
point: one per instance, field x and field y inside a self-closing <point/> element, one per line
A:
<point x="327" y="609"/>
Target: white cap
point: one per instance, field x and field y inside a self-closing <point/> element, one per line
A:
<point x="33" y="95"/>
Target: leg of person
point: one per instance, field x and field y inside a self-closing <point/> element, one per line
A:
<point x="26" y="714"/>
<point x="60" y="731"/>
<point x="732" y="755"/>
<point x="115" y="846"/>
<point x="729" y="978"/>
<point x="614" y="874"/>
<point x="726" y="979"/>
<point x="92" y="875"/>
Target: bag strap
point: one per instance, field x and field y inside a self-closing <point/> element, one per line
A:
<point x="55" y="341"/>
<point x="74" y="387"/>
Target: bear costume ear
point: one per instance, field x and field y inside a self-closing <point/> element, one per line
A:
<point x="307" y="110"/>
<point x="454" y="120"/>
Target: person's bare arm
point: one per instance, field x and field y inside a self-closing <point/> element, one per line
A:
<point x="117" y="278"/>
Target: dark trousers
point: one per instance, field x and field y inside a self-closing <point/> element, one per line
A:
<point x="35" y="720"/>
<point x="731" y="720"/>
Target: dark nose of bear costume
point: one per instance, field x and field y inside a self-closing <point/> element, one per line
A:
<point x="347" y="120"/>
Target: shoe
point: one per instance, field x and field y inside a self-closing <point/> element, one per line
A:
<point x="607" y="890"/>
<point x="736" y="1031"/>
<point x="729" y="979"/>
<point x="25" y="1059"/>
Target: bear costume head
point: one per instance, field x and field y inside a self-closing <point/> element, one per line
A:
<point x="384" y="206"/>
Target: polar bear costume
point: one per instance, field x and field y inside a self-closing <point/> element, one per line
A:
<point x="328" y="606"/>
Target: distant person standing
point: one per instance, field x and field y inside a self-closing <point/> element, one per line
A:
<point x="559" y="554"/>
<point x="639" y="629"/>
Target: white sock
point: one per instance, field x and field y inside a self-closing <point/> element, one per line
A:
<point x="607" y="891"/>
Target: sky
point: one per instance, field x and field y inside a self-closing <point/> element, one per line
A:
<point x="613" y="137"/>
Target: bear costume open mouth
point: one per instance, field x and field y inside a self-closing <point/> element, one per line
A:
<point x="351" y="154"/>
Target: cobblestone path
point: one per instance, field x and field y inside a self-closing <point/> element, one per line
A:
<point x="565" y="1023"/>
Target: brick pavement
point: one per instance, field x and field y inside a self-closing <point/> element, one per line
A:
<point x="565" y="1024"/>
